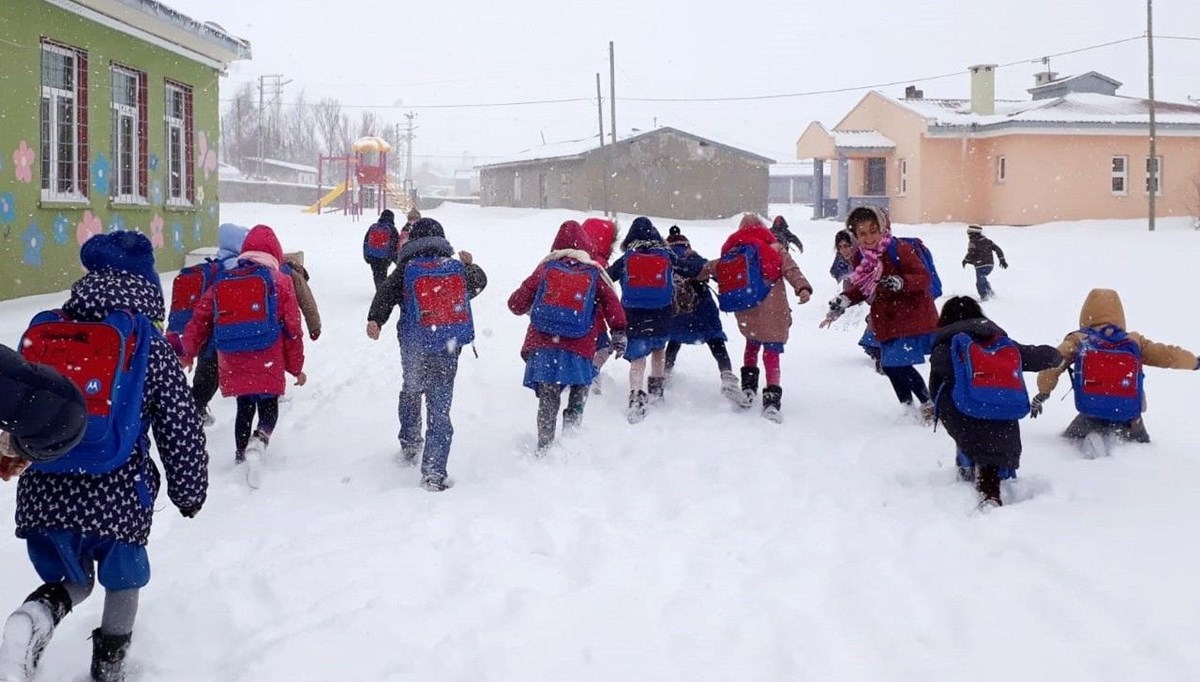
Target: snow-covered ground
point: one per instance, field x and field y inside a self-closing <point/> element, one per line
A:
<point x="701" y="544"/>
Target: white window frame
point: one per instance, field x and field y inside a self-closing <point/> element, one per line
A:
<point x="52" y="96"/>
<point x="902" y="176"/>
<point x="122" y="112"/>
<point x="1122" y="174"/>
<point x="1001" y="169"/>
<point x="1158" y="178"/>
<point x="176" y="160"/>
<point x="516" y="186"/>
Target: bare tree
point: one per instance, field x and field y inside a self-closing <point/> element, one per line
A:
<point x="239" y="126"/>
<point x="299" y="132"/>
<point x="332" y="125"/>
<point x="368" y="124"/>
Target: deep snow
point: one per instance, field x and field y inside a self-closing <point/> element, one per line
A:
<point x="702" y="544"/>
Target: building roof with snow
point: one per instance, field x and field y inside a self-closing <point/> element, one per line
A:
<point x="577" y="149"/>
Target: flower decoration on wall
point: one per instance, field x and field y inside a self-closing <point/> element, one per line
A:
<point x="153" y="161"/>
<point x="212" y="210"/>
<point x="156" y="231"/>
<point x="177" y="237"/>
<point x="200" y="195"/>
<point x="88" y="227"/>
<point x="205" y="158"/>
<point x="156" y="193"/>
<point x="100" y="169"/>
<point x="117" y="223"/>
<point x="32" y="240"/>
<point x="62" y="229"/>
<point x="23" y="162"/>
<point x="8" y="208"/>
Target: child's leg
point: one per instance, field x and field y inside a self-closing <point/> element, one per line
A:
<point x="244" y="422"/>
<point x="440" y="369"/>
<point x="771" y="365"/>
<point x="720" y="353"/>
<point x="409" y="405"/>
<point x="205" y="381"/>
<point x="120" y="610"/>
<point x="637" y="374"/>
<point x="750" y="357"/>
<point x="672" y="353"/>
<point x="268" y="416"/>
<point x="656" y="384"/>
<point x="110" y="641"/>
<point x="576" y="399"/>
<point x="549" y="397"/>
<point x="907" y="382"/>
<point x="658" y="363"/>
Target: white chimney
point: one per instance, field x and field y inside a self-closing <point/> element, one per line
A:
<point x="983" y="89"/>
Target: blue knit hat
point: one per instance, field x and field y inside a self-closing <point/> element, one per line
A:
<point x="426" y="227"/>
<point x="121" y="250"/>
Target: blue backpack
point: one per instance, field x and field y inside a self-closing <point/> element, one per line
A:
<point x="648" y="282"/>
<point x="565" y="302"/>
<point x="246" y="309"/>
<point x="926" y="256"/>
<point x="740" y="282"/>
<point x="187" y="288"/>
<point x="988" y="383"/>
<point x="107" y="360"/>
<point x="379" y="243"/>
<point x="1107" y="375"/>
<point x="437" y="305"/>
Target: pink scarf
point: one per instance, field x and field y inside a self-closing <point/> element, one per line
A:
<point x="870" y="269"/>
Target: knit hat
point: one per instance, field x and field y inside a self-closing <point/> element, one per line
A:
<point x="125" y="250"/>
<point x="386" y="216"/>
<point x="675" y="236"/>
<point x="426" y="227"/>
<point x="974" y="228"/>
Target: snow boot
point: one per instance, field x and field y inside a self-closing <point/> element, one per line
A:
<point x="1094" y="446"/>
<point x="966" y="468"/>
<point x="657" y="389"/>
<point x="108" y="656"/>
<point x="636" y="411"/>
<point x="772" y="403"/>
<point x="410" y="451"/>
<point x="27" y="631"/>
<point x="749" y="386"/>
<point x="987" y="482"/>
<point x="572" y="418"/>
<point x="435" y="483"/>
<point x="730" y="388"/>
<point x="253" y="458"/>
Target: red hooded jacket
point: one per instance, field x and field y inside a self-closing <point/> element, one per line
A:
<point x="602" y="234"/>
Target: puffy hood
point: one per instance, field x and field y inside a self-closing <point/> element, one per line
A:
<point x="262" y="238"/>
<point x="1102" y="307"/>
<point x="230" y="238"/>
<point x="100" y="292"/>
<point x="425" y="239"/>
<point x="603" y="234"/>
<point x="572" y="236"/>
<point x="881" y="217"/>
<point x="979" y="328"/>
<point x="386" y="217"/>
<point x="642" y="230"/>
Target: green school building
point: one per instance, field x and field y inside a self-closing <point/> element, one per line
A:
<point x="109" y="120"/>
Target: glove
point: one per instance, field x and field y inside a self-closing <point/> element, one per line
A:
<point x="1035" y="405"/>
<point x="189" y="512"/>
<point x="891" y="283"/>
<point x="1003" y="264"/>
<point x="964" y="262"/>
<point x="619" y="343"/>
<point x="838" y="305"/>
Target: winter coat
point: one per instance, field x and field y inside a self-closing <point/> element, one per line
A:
<point x="988" y="442"/>
<point x="1101" y="308"/>
<point x="643" y="323"/>
<point x="394" y="236"/>
<point x="425" y="241"/>
<point x="41" y="408"/>
<point x="120" y="504"/>
<point x="704" y="323"/>
<point x="979" y="251"/>
<point x="908" y="312"/>
<point x="570" y="247"/>
<point x="304" y="294"/>
<point x="602" y="234"/>
<point x="261" y="371"/>
<point x="784" y="234"/>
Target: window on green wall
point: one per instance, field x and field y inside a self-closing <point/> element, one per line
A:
<point x="63" y="119"/>
<point x="130" y="147"/>
<point x="178" y="121"/>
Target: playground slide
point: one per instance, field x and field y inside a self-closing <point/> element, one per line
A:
<point x="328" y="199"/>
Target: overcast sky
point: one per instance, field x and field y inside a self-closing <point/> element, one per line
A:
<point x="380" y="53"/>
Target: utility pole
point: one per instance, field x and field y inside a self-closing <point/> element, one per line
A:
<point x="1152" y="165"/>
<point x="612" y="91"/>
<point x="408" y="151"/>
<point x="264" y="131"/>
<point x="600" y="117"/>
<point x="260" y="126"/>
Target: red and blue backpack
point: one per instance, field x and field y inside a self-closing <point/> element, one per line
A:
<point x="926" y="256"/>
<point x="565" y="302"/>
<point x="647" y="282"/>
<point x="1107" y="375"/>
<point x="988" y="383"/>
<point x="380" y="243"/>
<point x="740" y="282"/>
<point x="437" y="305"/>
<point x="187" y="288"/>
<point x="245" y="309"/>
<point x="108" y="361"/>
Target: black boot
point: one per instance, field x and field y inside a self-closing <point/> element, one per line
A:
<point x="772" y="402"/>
<point x="108" y="656"/>
<point x="749" y="385"/>
<point x="637" y="407"/>
<point x="656" y="388"/>
<point x="987" y="482"/>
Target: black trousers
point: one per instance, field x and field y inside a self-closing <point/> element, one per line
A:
<point x="268" y="415"/>
<point x="205" y="381"/>
<point x="715" y="346"/>
<point x="379" y="270"/>
<point x="907" y="382"/>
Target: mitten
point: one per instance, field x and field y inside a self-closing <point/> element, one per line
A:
<point x="1003" y="264"/>
<point x="1035" y="405"/>
<point x="892" y="283"/>
<point x="619" y="344"/>
<point x="964" y="262"/>
<point x="190" y="512"/>
<point x="838" y="305"/>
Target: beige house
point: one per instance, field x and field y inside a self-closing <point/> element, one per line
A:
<point x="1075" y="151"/>
<point x="665" y="172"/>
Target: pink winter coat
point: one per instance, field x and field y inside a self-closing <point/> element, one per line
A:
<point x="262" y="371"/>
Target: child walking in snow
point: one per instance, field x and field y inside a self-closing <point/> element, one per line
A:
<point x="601" y="238"/>
<point x="988" y="439"/>
<point x="381" y="243"/>
<point x="433" y="291"/>
<point x="86" y="516"/>
<point x="784" y="235"/>
<point x="979" y="255"/>
<point x="892" y="277"/>
<point x="697" y="319"/>
<point x="1105" y="362"/>
<point x="766" y="323"/>
<point x="647" y="294"/>
<point x="252" y="316"/>
<point x="569" y="298"/>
